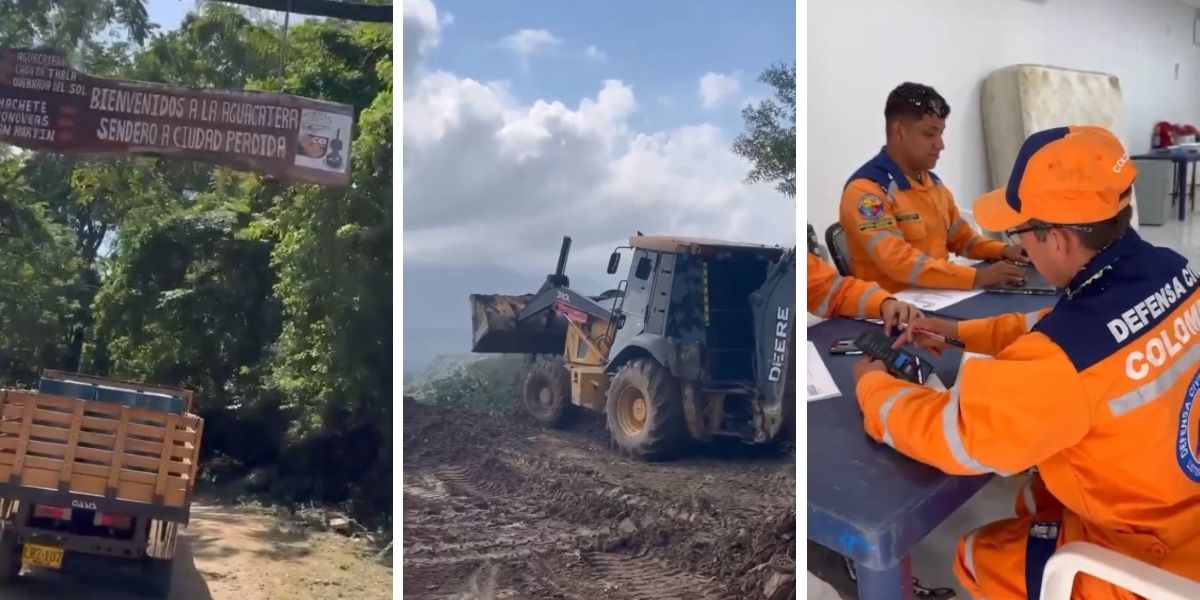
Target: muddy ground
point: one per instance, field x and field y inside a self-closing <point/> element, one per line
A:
<point x="496" y="507"/>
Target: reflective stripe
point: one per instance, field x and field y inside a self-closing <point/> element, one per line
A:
<point x="954" y="439"/>
<point x="970" y="244"/>
<point x="969" y="555"/>
<point x="1156" y="387"/>
<point x="878" y="237"/>
<point x="862" y="300"/>
<point x="883" y="414"/>
<point x="912" y="278"/>
<point x="823" y="308"/>
<point x="1031" y="319"/>
<point x="954" y="227"/>
<point x="1027" y="494"/>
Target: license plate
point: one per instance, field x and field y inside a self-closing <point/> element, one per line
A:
<point x="42" y="556"/>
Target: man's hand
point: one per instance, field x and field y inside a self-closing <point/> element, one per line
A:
<point x="866" y="365"/>
<point x="939" y="326"/>
<point x="1015" y="253"/>
<point x="998" y="273"/>
<point x="895" y="312"/>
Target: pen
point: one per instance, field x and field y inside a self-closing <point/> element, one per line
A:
<point x="953" y="341"/>
<point x="944" y="339"/>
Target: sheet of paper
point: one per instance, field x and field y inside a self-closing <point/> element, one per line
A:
<point x="925" y="299"/>
<point x="820" y="382"/>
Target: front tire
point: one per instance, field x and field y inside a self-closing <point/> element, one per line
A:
<point x="644" y="411"/>
<point x="546" y="395"/>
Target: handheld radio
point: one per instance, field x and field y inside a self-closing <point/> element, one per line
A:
<point x="898" y="361"/>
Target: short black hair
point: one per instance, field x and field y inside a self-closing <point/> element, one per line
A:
<point x="914" y="101"/>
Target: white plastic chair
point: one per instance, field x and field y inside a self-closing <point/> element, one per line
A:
<point x="1138" y="577"/>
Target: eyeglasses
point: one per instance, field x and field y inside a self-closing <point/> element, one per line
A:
<point x="1045" y="227"/>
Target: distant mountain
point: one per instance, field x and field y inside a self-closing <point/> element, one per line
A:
<point x="437" y="314"/>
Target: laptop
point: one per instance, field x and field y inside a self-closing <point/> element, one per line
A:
<point x="1034" y="284"/>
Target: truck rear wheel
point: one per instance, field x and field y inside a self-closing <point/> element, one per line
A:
<point x="644" y="410"/>
<point x="158" y="576"/>
<point x="10" y="556"/>
<point x="546" y="395"/>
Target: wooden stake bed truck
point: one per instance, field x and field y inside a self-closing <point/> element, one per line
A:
<point x="94" y="470"/>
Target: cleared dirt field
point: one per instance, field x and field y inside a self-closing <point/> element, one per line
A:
<point x="495" y="507"/>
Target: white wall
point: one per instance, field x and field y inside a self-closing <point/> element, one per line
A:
<point x="858" y="50"/>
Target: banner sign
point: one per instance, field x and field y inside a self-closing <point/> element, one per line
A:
<point x="46" y="104"/>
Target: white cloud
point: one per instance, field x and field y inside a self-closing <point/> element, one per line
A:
<point x="421" y="33"/>
<point x="527" y="42"/>
<point x="716" y="88"/>
<point x="489" y="179"/>
<point x="595" y="53"/>
<point x="447" y="20"/>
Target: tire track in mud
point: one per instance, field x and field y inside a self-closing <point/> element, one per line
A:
<point x="559" y="516"/>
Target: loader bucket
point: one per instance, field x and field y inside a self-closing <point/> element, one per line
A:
<point x="494" y="318"/>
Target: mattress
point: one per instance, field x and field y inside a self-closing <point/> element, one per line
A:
<point x="1019" y="100"/>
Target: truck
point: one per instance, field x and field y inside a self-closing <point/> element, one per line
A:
<point x="696" y="342"/>
<point x="96" y="473"/>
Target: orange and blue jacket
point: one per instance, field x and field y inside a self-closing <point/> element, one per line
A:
<point x="1098" y="392"/>
<point x="901" y="231"/>
<point x="830" y="294"/>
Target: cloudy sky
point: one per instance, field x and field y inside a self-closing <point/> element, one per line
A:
<point x="526" y="121"/>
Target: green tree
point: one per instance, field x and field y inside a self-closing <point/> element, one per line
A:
<point x="769" y="140"/>
<point x="334" y="258"/>
<point x="66" y="24"/>
<point x="39" y="265"/>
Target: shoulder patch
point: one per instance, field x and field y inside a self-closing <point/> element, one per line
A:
<point x="876" y="224"/>
<point x="870" y="206"/>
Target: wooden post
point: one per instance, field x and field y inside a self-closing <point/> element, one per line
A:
<point x="64" y="479"/>
<point x="114" y="473"/>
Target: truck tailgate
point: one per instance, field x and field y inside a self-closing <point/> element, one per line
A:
<point x="115" y="453"/>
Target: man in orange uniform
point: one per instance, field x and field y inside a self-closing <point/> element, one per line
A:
<point x="901" y="221"/>
<point x="1098" y="392"/>
<point x="830" y="294"/>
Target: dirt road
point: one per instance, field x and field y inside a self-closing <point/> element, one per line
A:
<point x="236" y="553"/>
<point x="497" y="508"/>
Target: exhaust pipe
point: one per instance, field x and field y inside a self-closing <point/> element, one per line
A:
<point x="559" y="278"/>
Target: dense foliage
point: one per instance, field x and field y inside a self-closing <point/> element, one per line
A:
<point x="273" y="302"/>
<point x="489" y="384"/>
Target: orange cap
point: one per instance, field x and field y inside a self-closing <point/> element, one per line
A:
<point x="1066" y="176"/>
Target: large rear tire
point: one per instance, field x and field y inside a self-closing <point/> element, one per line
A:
<point x="158" y="577"/>
<point x="546" y="395"/>
<point x="644" y="411"/>
<point x="10" y="556"/>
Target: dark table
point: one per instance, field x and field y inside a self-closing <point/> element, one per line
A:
<point x="865" y="500"/>
<point x="1181" y="157"/>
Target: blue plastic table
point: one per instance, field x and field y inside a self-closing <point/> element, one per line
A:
<point x="865" y="500"/>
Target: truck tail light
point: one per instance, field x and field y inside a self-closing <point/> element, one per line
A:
<point x="112" y="520"/>
<point x="57" y="513"/>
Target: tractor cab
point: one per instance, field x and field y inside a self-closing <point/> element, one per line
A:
<point x="696" y="292"/>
